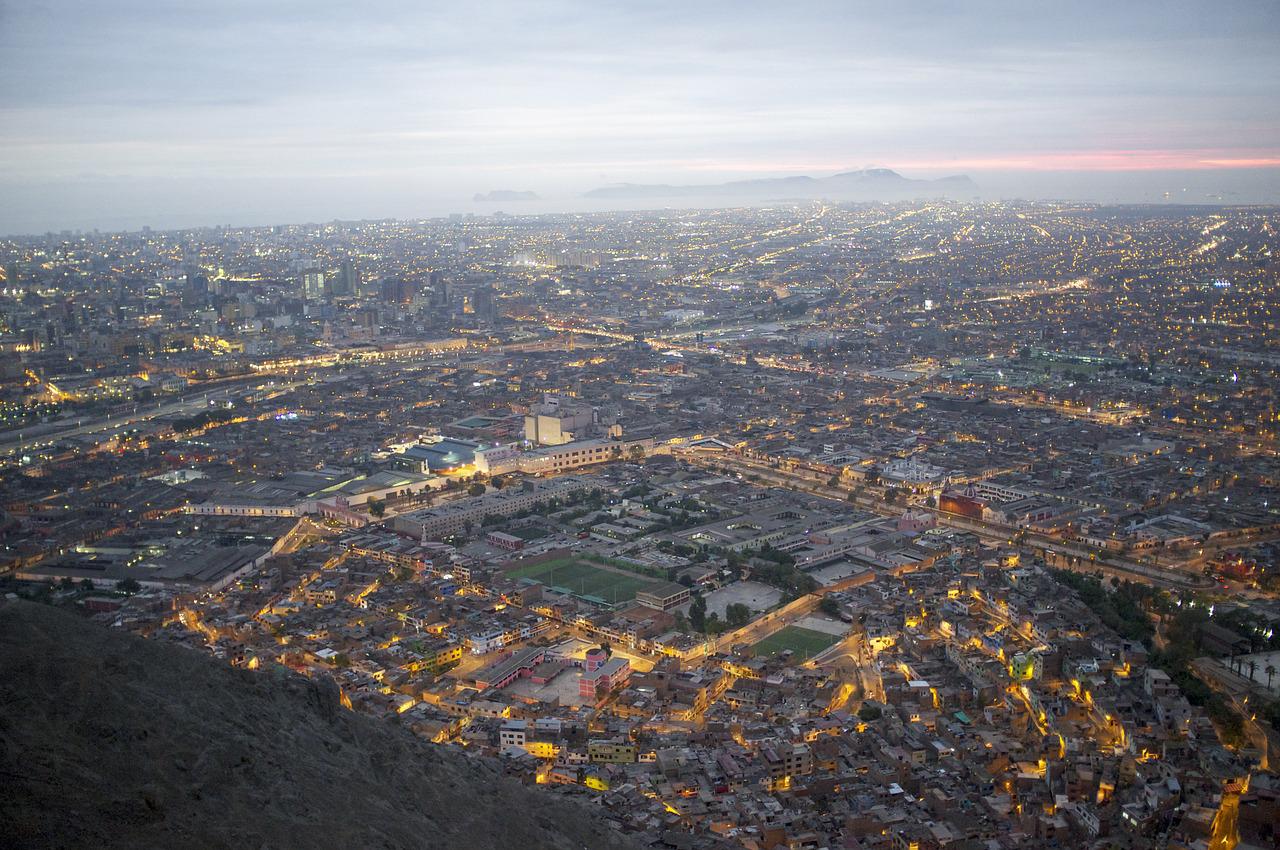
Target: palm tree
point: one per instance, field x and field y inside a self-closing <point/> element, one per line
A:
<point x="1271" y="672"/>
<point x="1253" y="668"/>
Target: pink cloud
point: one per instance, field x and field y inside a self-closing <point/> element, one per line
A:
<point x="1108" y="160"/>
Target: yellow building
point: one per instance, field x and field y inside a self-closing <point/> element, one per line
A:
<point x="611" y="751"/>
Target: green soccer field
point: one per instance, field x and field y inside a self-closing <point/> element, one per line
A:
<point x="805" y="643"/>
<point x="585" y="579"/>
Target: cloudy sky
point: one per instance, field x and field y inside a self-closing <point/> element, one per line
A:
<point x="170" y="113"/>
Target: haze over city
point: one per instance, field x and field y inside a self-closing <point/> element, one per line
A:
<point x="588" y="426"/>
<point x="123" y="114"/>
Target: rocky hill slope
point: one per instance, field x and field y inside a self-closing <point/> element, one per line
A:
<point x="109" y="740"/>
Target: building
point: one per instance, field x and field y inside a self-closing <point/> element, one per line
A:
<point x="348" y="278"/>
<point x="439" y="289"/>
<point x="513" y="733"/>
<point x="557" y="420"/>
<point x="611" y="751"/>
<point x="484" y="304"/>
<point x="308" y="492"/>
<point x="572" y="455"/>
<point x="312" y="284"/>
<point x="504" y="671"/>
<point x="497" y="460"/>
<point x="437" y="654"/>
<point x="612" y="674"/>
<point x="437" y="455"/>
<point x="664" y="597"/>
<point x="914" y="474"/>
<point x="549" y="460"/>
<point x="504" y="541"/>
<point x="457" y="517"/>
<point x="784" y="762"/>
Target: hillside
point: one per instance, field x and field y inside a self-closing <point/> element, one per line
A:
<point x="109" y="740"/>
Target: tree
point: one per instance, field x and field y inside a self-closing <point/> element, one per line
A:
<point x="498" y="483"/>
<point x="737" y="615"/>
<point x="1271" y="672"/>
<point x="698" y="613"/>
<point x="869" y="712"/>
<point x="829" y="607"/>
<point x="476" y="489"/>
<point x="86" y="584"/>
<point x="128" y="585"/>
<point x="377" y="508"/>
<point x="637" y="452"/>
<point x="890" y="496"/>
<point x="67" y="583"/>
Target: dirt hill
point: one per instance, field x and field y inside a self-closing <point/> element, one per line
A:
<point x="109" y="740"/>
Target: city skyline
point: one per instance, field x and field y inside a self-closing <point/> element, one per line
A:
<point x="704" y="426"/>
<point x="931" y="525"/>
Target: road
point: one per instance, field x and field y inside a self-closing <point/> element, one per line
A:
<point x="1226" y="829"/>
<point x="304" y="533"/>
<point x="1246" y="697"/>
<point x="1124" y="568"/>
<point x="852" y="663"/>
<point x="13" y="442"/>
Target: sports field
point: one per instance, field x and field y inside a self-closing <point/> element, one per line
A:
<point x="805" y="643"/>
<point x="586" y="579"/>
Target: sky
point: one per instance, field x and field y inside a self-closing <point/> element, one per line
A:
<point x="172" y="113"/>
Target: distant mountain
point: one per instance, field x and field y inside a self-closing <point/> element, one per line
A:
<point x="869" y="184"/>
<point x="500" y="195"/>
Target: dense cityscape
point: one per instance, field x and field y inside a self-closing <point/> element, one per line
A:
<point x="909" y="525"/>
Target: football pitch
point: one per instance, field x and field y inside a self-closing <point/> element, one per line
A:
<point x="586" y="579"/>
<point x="805" y="643"/>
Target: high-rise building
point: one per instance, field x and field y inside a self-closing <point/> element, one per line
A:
<point x="13" y="275"/>
<point x="348" y="278"/>
<point x="439" y="288"/>
<point x="312" y="284"/>
<point x="557" y="420"/>
<point x="484" y="305"/>
<point x="196" y="290"/>
<point x="397" y="290"/>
